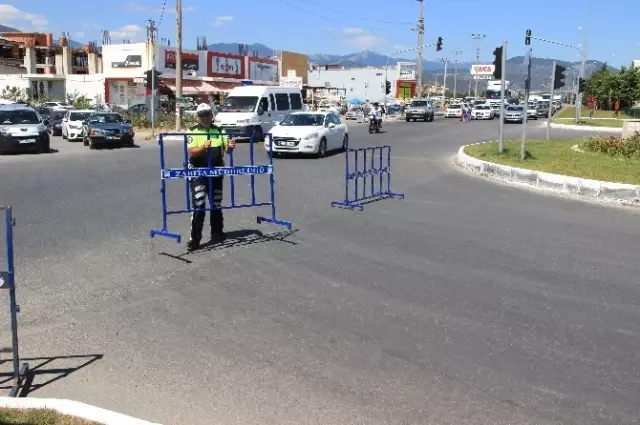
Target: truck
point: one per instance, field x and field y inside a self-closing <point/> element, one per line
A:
<point x="493" y="93"/>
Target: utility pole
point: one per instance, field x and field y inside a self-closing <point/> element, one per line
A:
<point x="444" y="82"/>
<point x="420" y="29"/>
<point x="455" y="73"/>
<point x="549" y="115"/>
<point x="151" y="40"/>
<point x="178" y="63"/>
<point x="503" y="83"/>
<point x="478" y="38"/>
<point x="525" y="113"/>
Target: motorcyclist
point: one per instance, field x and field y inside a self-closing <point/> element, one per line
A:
<point x="377" y="112"/>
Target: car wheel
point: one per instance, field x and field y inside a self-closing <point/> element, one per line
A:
<point x="92" y="145"/>
<point x="407" y="120"/>
<point x="85" y="141"/>
<point x="258" y="135"/>
<point x="322" y="148"/>
<point x="46" y="147"/>
<point x="63" y="136"/>
<point x="345" y="142"/>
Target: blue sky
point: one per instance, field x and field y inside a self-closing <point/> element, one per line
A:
<point x="347" y="26"/>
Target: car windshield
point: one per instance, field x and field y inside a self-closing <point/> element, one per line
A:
<point x="456" y="106"/>
<point x="419" y="104"/>
<point x="57" y="116"/>
<point x="239" y="104"/>
<point x="303" y="120"/>
<point x="491" y="94"/>
<point x="19" y="117"/>
<point x="79" y="116"/>
<point x="483" y="107"/>
<point x="514" y="108"/>
<point x="106" y="118"/>
<point x="543" y="104"/>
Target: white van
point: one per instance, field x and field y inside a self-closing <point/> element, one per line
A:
<point x="256" y="109"/>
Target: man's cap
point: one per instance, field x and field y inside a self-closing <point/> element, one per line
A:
<point x="203" y="109"/>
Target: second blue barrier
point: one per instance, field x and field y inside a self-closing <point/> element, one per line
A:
<point x="187" y="172"/>
<point x="367" y="177"/>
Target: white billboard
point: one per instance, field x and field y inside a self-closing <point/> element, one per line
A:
<point x="406" y="71"/>
<point x="482" y="69"/>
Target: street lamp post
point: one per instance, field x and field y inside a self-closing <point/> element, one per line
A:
<point x="455" y="72"/>
<point x="386" y="67"/>
<point x="478" y="38"/>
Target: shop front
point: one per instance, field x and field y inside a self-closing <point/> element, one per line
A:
<point x="405" y="89"/>
<point x="263" y="71"/>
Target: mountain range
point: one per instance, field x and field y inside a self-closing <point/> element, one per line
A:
<point x="432" y="70"/>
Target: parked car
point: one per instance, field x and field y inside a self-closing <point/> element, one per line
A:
<point x="55" y="123"/>
<point x="542" y="110"/>
<point x="420" y="110"/>
<point x="482" y="111"/>
<point x="107" y="129"/>
<point x="22" y="129"/>
<point x="313" y="133"/>
<point x="72" y="124"/>
<point x="43" y="111"/>
<point x="58" y="106"/>
<point x="352" y="114"/>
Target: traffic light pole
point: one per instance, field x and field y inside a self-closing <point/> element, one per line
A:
<point x="386" y="68"/>
<point x="503" y="83"/>
<point x="581" y="74"/>
<point x="553" y="80"/>
<point x="525" y="110"/>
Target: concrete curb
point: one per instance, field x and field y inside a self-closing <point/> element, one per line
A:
<point x="72" y="408"/>
<point x="627" y="194"/>
<point x="587" y="128"/>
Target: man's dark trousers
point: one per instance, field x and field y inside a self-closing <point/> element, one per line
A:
<point x="200" y="191"/>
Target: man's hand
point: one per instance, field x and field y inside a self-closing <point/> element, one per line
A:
<point x="207" y="144"/>
<point x="231" y="144"/>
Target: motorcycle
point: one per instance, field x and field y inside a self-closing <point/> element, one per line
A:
<point x="373" y="124"/>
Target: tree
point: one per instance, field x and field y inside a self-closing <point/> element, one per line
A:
<point x="14" y="94"/>
<point x="608" y="87"/>
<point x="78" y="101"/>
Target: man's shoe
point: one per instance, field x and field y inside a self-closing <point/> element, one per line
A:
<point x="193" y="245"/>
<point x="218" y="237"/>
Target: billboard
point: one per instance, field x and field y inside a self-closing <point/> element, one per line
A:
<point x="125" y="60"/>
<point x="298" y="62"/>
<point x="482" y="70"/>
<point x="406" y="71"/>
<point x="193" y="62"/>
<point x="263" y="70"/>
<point x="225" y="65"/>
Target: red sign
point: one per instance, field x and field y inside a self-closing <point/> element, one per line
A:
<point x="482" y="69"/>
<point x="190" y="61"/>
<point x="225" y="65"/>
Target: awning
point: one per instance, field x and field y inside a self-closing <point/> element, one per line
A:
<point x="195" y="87"/>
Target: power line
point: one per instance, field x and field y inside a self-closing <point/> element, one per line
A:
<point x="164" y="6"/>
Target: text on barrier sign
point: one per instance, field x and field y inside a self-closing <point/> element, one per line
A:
<point x="180" y="173"/>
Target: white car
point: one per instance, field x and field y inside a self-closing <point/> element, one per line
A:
<point x="313" y="133"/>
<point x="482" y="112"/>
<point x="72" y="124"/>
<point x="57" y="106"/>
<point x="453" y="111"/>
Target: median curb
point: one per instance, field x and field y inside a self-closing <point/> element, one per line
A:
<point x="73" y="408"/>
<point x="587" y="128"/>
<point x="627" y="194"/>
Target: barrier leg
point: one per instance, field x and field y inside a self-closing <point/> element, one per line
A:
<point x="7" y="281"/>
<point x="390" y="192"/>
<point x="163" y="193"/>
<point x="272" y="183"/>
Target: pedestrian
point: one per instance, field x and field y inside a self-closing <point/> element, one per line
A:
<point x="206" y="145"/>
<point x="616" y="109"/>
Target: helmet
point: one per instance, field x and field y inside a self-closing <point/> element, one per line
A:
<point x="203" y="110"/>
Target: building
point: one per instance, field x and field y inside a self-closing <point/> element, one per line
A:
<point x="9" y="61"/>
<point x="636" y="63"/>
<point x="367" y="83"/>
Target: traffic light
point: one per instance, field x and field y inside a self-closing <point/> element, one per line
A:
<point x="439" y="44"/>
<point x="497" y="63"/>
<point x="387" y="87"/>
<point x="558" y="81"/>
<point x="150" y="76"/>
<point x="527" y="38"/>
<point x="581" y="84"/>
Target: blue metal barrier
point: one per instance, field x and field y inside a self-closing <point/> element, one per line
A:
<point x="186" y="172"/>
<point x="7" y="281"/>
<point x="371" y="177"/>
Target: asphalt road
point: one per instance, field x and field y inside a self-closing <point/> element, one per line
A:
<point x="468" y="302"/>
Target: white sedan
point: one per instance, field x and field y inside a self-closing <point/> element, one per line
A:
<point x="453" y="111"/>
<point x="482" y="112"/>
<point x="72" y="124"/>
<point x="313" y="133"/>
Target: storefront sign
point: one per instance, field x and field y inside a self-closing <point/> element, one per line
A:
<point x="263" y="70"/>
<point x="127" y="61"/>
<point x="295" y="82"/>
<point x="190" y="61"/>
<point x="406" y="71"/>
<point x="482" y="69"/>
<point x="225" y="65"/>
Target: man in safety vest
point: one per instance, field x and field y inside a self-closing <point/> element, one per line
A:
<point x="206" y="144"/>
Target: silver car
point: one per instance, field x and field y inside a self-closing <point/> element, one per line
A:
<point x="22" y="129"/>
<point x="514" y="113"/>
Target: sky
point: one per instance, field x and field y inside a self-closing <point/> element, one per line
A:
<point x="349" y="26"/>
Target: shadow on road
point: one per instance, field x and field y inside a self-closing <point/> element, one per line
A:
<point x="46" y="370"/>
<point x="235" y="239"/>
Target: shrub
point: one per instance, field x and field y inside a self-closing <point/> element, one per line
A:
<point x="628" y="147"/>
<point x="167" y="121"/>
